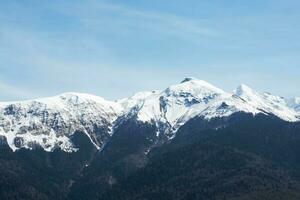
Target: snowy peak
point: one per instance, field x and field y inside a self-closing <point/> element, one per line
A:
<point x="176" y="104"/>
<point x="192" y="97"/>
<point x="191" y="92"/>
<point x="50" y="122"/>
<point x="178" y="100"/>
<point x="195" y="87"/>
<point x="267" y="103"/>
<point x="249" y="95"/>
<point x="244" y="91"/>
<point x="136" y="100"/>
<point x="66" y="100"/>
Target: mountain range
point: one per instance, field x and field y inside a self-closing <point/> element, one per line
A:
<point x="191" y="140"/>
<point x="49" y="122"/>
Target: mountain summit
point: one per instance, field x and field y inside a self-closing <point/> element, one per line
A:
<point x="50" y="122"/>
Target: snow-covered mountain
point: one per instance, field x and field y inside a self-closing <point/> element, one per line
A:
<point x="177" y="104"/>
<point x="50" y="122"/>
<point x="268" y="103"/>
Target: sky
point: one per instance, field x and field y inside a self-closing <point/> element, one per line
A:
<point x="115" y="48"/>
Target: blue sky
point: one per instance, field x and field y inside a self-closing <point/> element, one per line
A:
<point x="114" y="48"/>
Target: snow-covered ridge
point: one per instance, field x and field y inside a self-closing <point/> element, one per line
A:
<point x="178" y="103"/>
<point x="50" y="122"/>
<point x="269" y="103"/>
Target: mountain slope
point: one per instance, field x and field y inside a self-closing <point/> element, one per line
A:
<point x="49" y="122"/>
<point x="251" y="158"/>
<point x="191" y="140"/>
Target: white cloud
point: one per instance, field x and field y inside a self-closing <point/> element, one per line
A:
<point x="91" y="15"/>
<point x="174" y="21"/>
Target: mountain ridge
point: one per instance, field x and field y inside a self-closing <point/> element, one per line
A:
<point x="49" y="122"/>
